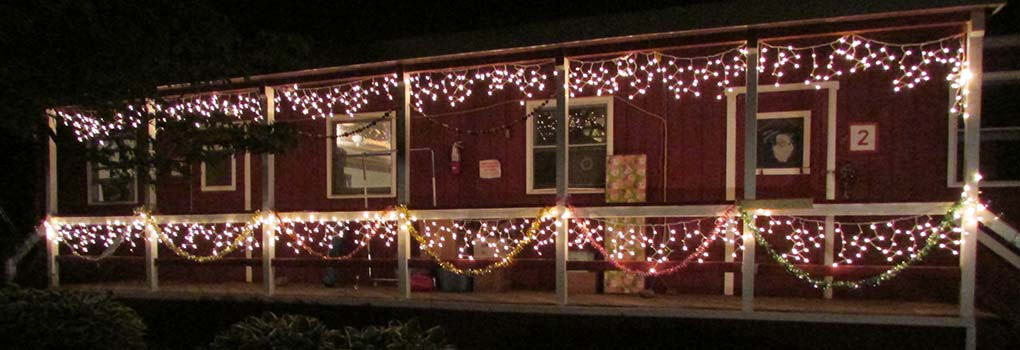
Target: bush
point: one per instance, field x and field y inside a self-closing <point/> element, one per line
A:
<point x="398" y="336"/>
<point x="296" y="332"/>
<point x="57" y="319"/>
<point x="287" y="332"/>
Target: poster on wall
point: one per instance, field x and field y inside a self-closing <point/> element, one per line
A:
<point x="784" y="143"/>
<point x="625" y="178"/>
<point x="626" y="182"/>
<point x="489" y="169"/>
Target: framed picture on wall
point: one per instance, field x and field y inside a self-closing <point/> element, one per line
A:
<point x="784" y="143"/>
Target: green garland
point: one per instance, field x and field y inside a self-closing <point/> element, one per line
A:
<point x="930" y="243"/>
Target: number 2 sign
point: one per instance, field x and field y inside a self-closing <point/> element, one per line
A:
<point x="864" y="137"/>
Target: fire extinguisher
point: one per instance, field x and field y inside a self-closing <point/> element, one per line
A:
<point x="455" y="157"/>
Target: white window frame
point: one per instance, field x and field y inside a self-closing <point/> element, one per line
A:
<point x="805" y="168"/>
<point x="574" y="102"/>
<point x="331" y="142"/>
<point x="91" y="188"/>
<point x="1003" y="77"/>
<point x="224" y="188"/>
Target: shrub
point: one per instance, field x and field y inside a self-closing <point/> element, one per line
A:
<point x="398" y="336"/>
<point x="58" y="319"/>
<point x="287" y="332"/>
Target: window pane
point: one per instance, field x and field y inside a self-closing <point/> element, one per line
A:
<point x="1000" y="160"/>
<point x="112" y="186"/>
<point x="588" y="124"/>
<point x="1000" y="155"/>
<point x="375" y="138"/>
<point x="587" y="167"/>
<point x="353" y="173"/>
<point x="218" y="170"/>
<point x="1000" y="105"/>
<point x="544" y="163"/>
<point x="545" y="127"/>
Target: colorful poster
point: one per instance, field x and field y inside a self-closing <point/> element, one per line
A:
<point x="625" y="183"/>
<point x="625" y="178"/>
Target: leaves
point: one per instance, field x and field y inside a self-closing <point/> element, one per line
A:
<point x="294" y="332"/>
<point x="57" y="319"/>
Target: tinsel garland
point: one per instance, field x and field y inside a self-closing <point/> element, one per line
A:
<point x="946" y="226"/>
<point x="248" y="231"/>
<point x="720" y="222"/>
<point x="301" y="243"/>
<point x="529" y="236"/>
<point x="932" y="241"/>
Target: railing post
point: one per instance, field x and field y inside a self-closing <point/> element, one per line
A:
<point x="830" y="247"/>
<point x="747" y="269"/>
<point x="269" y="203"/>
<point x="52" y="242"/>
<point x="248" y="271"/>
<point x="562" y="179"/>
<point x="971" y="158"/>
<point x="403" y="145"/>
<point x="152" y="238"/>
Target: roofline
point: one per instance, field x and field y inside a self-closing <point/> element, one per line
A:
<point x="396" y="63"/>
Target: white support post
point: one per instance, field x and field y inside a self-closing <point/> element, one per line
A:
<point x="269" y="204"/>
<point x="151" y="253"/>
<point x="747" y="268"/>
<point x="403" y="145"/>
<point x="830" y="155"/>
<point x="52" y="242"/>
<point x="248" y="271"/>
<point x="562" y="184"/>
<point x="830" y="247"/>
<point x="971" y="153"/>
<point x="152" y="239"/>
<point x="730" y="249"/>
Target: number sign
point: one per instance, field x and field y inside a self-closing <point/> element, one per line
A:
<point x="864" y="137"/>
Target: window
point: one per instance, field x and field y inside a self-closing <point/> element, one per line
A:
<point x="111" y="185"/>
<point x="219" y="172"/>
<point x="1000" y="133"/>
<point x="361" y="164"/>
<point x="589" y="142"/>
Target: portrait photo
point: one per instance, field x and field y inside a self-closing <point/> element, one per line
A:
<point x="784" y="143"/>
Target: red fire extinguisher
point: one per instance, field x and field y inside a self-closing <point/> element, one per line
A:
<point x="455" y="157"/>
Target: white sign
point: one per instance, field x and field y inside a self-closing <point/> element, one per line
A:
<point x="864" y="137"/>
<point x="489" y="169"/>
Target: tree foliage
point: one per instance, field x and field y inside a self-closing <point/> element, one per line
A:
<point x="97" y="55"/>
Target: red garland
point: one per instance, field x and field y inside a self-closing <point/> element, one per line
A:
<point x="719" y="223"/>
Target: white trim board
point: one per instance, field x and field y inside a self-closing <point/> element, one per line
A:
<point x="731" y="132"/>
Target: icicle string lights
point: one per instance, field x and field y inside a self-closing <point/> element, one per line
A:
<point x="82" y="239"/>
<point x="902" y="242"/>
<point x="512" y="247"/>
<point x="660" y="242"/>
<point x="313" y="234"/>
<point x="633" y="74"/>
<point x="346" y="98"/>
<point x="453" y="87"/>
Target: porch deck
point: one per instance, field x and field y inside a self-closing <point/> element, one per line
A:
<point x="543" y="302"/>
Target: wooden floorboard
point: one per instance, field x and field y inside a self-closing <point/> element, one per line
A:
<point x="539" y="300"/>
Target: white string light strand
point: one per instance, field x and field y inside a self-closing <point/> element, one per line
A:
<point x="346" y="98"/>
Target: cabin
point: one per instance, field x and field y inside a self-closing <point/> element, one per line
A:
<point x="831" y="163"/>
